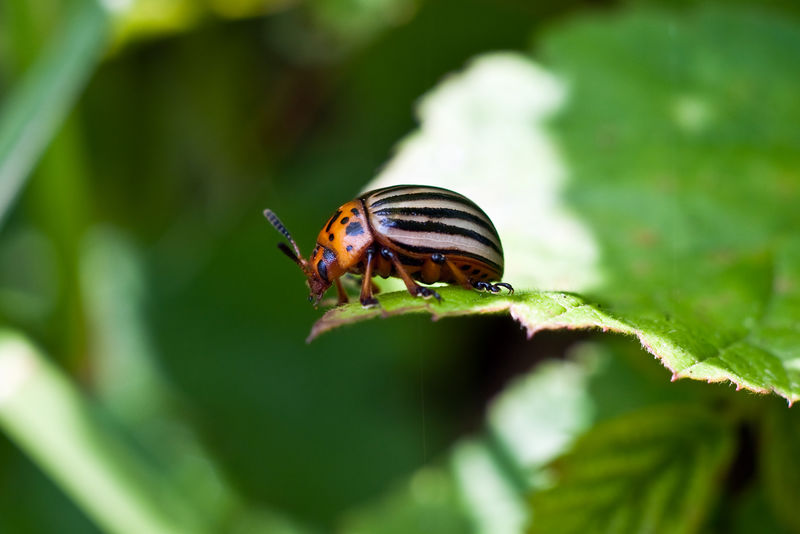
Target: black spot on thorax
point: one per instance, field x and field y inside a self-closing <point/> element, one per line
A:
<point x="328" y="255"/>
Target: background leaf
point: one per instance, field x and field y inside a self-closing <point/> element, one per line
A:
<point x="687" y="176"/>
<point x="428" y="502"/>
<point x="653" y="470"/>
<point x="543" y="419"/>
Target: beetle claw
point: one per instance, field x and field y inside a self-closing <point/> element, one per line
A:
<point x="368" y="302"/>
<point x="426" y="292"/>
<point x="505" y="285"/>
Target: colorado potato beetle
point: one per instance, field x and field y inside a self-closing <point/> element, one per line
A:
<point x="414" y="232"/>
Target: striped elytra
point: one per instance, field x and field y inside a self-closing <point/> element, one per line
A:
<point x="413" y="232"/>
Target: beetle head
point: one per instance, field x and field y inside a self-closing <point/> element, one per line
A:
<point x="318" y="269"/>
<point x="325" y="268"/>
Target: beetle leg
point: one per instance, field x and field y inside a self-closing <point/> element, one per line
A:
<point x="366" y="283"/>
<point x="460" y="277"/>
<point x="414" y="288"/>
<point x="480" y="285"/>
<point x="343" y="299"/>
<point x="494" y="288"/>
<point x="485" y="286"/>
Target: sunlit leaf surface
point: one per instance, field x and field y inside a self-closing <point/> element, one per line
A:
<point x="663" y="193"/>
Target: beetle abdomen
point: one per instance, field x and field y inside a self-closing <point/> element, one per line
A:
<point x="418" y="221"/>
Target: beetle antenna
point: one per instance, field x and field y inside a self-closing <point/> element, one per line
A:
<point x="292" y="256"/>
<point x="276" y="222"/>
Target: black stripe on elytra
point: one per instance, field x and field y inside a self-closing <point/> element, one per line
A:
<point x="438" y="213"/>
<point x="439" y="228"/>
<point x="455" y="252"/>
<point x="405" y="197"/>
<point x="382" y="190"/>
<point x="354" y="228"/>
<point x="333" y="218"/>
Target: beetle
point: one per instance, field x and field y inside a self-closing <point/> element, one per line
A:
<point x="414" y="232"/>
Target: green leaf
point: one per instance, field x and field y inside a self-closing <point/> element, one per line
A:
<point x="538" y="415"/>
<point x="653" y="470"/>
<point x="661" y="201"/>
<point x="685" y="165"/>
<point x="488" y="488"/>
<point x="426" y="503"/>
<point x="33" y="111"/>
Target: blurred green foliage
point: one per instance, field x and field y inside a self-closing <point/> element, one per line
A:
<point x="137" y="258"/>
<point x="663" y="464"/>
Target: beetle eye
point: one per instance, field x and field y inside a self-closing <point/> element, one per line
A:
<point x="322" y="269"/>
<point x="311" y="298"/>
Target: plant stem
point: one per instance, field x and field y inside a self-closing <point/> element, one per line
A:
<point x="47" y="417"/>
